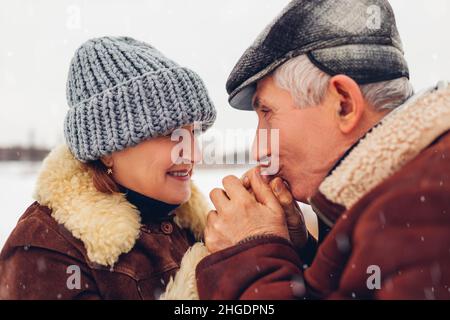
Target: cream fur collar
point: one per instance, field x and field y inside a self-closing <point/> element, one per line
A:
<point x="108" y="225"/>
<point x="400" y="137"/>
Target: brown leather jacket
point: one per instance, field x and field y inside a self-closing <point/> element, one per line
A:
<point x="388" y="206"/>
<point x="77" y="243"/>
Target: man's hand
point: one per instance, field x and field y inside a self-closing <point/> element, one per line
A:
<point x="298" y="232"/>
<point x="240" y="215"/>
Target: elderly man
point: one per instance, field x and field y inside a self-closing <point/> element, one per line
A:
<point x="372" y="159"/>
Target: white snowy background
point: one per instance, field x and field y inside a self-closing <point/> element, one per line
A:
<point x="38" y="38"/>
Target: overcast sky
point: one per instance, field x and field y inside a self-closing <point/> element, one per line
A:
<point x="38" y="38"/>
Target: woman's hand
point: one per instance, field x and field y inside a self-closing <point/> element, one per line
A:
<point x="298" y="232"/>
<point x="241" y="215"/>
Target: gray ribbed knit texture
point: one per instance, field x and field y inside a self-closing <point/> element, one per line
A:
<point x="122" y="91"/>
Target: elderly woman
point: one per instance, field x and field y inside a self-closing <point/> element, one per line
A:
<point x="115" y="216"/>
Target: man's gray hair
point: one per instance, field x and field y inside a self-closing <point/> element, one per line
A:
<point x="308" y="85"/>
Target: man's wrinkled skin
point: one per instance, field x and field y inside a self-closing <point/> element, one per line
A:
<point x="311" y="141"/>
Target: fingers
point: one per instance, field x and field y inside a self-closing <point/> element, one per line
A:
<point x="265" y="177"/>
<point x="294" y="217"/>
<point x="262" y="190"/>
<point x="211" y="218"/>
<point x="287" y="201"/>
<point x="234" y="187"/>
<point x="218" y="198"/>
<point x="282" y="193"/>
<point x="208" y="234"/>
<point x="212" y="214"/>
<point x="245" y="181"/>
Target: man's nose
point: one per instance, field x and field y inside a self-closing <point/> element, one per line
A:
<point x="261" y="145"/>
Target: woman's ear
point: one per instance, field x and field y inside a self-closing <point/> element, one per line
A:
<point x="107" y="161"/>
<point x="350" y="102"/>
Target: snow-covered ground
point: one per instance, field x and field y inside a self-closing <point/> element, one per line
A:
<point x="17" y="180"/>
<point x="16" y="189"/>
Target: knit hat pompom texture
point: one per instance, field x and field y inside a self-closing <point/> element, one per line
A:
<point x="122" y="91"/>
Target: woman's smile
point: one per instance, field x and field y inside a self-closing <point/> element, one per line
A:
<point x="180" y="174"/>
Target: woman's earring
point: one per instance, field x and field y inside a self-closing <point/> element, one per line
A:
<point x="109" y="171"/>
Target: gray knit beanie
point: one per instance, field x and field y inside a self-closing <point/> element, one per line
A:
<point x="122" y="91"/>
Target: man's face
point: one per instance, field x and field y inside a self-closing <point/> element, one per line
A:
<point x="309" y="138"/>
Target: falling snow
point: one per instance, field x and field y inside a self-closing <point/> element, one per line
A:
<point x="41" y="265"/>
<point x="343" y="243"/>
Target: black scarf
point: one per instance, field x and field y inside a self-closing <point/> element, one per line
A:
<point x="152" y="210"/>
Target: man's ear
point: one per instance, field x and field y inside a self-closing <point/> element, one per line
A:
<point x="350" y="104"/>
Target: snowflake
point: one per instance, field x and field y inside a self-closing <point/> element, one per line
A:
<point x="343" y="243"/>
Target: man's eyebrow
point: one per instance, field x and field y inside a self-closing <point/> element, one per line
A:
<point x="258" y="104"/>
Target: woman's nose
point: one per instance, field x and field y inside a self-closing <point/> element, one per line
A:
<point x="197" y="153"/>
<point x="191" y="151"/>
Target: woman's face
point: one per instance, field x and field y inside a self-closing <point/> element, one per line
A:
<point x="151" y="168"/>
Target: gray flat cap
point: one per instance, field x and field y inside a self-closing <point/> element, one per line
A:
<point x="358" y="38"/>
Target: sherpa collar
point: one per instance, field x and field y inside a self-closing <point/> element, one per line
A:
<point x="400" y="137"/>
<point x="107" y="224"/>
